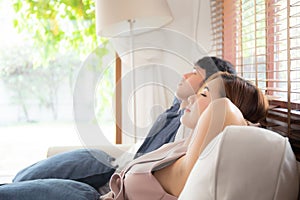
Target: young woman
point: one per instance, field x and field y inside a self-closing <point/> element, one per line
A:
<point x="223" y="100"/>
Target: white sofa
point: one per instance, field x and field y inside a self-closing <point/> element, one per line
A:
<point x="114" y="150"/>
<point x="246" y="163"/>
<point x="242" y="163"/>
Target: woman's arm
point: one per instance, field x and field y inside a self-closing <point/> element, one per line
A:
<point x="219" y="114"/>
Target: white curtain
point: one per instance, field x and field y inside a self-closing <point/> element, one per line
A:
<point x="160" y="59"/>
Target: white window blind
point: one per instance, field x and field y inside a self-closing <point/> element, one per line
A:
<point x="217" y="26"/>
<point x="262" y="39"/>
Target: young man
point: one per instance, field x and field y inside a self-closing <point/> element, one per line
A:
<point x="167" y="124"/>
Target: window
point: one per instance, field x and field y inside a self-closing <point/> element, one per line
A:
<point x="42" y="47"/>
<point x="262" y="39"/>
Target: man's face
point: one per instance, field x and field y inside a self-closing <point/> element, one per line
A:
<point x="190" y="83"/>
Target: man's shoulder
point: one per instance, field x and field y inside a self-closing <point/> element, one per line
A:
<point x="176" y="101"/>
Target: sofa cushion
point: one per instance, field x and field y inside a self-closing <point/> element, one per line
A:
<point x="90" y="166"/>
<point x="244" y="163"/>
<point x="48" y="189"/>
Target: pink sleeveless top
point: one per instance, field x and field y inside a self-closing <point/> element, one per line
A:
<point x="137" y="182"/>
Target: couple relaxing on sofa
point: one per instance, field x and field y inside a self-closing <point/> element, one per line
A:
<point x="222" y="100"/>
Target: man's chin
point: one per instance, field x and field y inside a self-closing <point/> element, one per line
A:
<point x="178" y="97"/>
<point x="182" y="97"/>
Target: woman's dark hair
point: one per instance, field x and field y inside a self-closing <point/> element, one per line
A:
<point x="247" y="97"/>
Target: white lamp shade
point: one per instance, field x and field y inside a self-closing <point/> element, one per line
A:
<point x="112" y="16"/>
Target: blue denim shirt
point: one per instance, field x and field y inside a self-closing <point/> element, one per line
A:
<point x="163" y="130"/>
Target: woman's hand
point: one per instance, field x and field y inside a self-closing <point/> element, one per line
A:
<point x="232" y="115"/>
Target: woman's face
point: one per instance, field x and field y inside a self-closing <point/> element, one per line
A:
<point x="200" y="101"/>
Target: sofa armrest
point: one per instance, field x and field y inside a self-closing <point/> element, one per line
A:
<point x="113" y="150"/>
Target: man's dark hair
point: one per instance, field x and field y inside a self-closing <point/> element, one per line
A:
<point x="213" y="64"/>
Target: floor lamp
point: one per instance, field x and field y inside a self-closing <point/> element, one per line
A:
<point x="126" y="18"/>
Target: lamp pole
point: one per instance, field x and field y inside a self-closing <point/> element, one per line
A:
<point x="131" y="24"/>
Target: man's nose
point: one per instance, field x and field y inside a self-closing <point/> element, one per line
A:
<point x="187" y="75"/>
